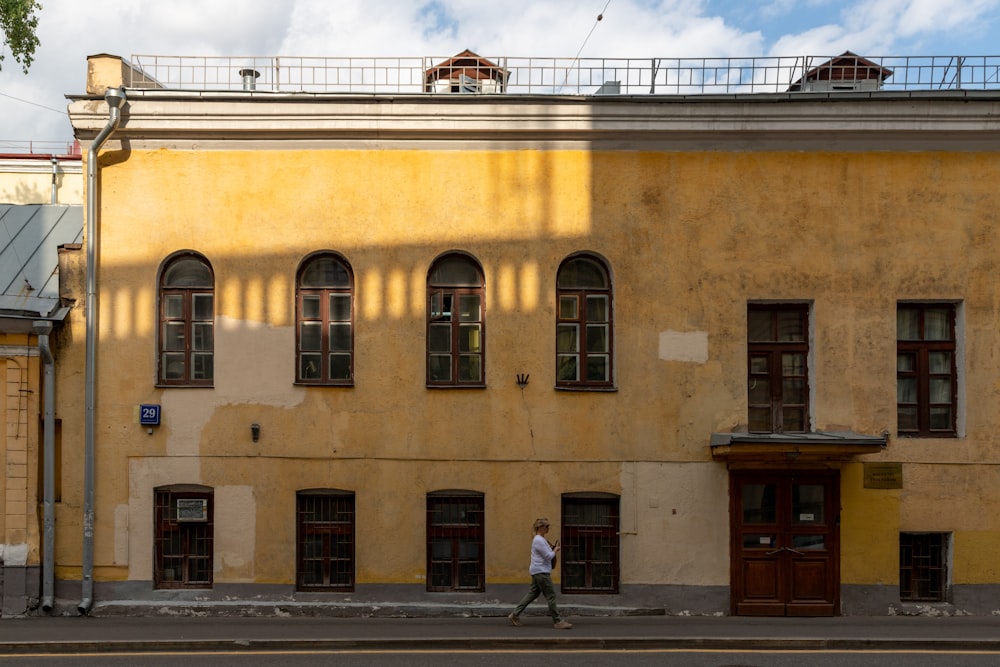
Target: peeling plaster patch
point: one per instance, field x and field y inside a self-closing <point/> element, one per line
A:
<point x="121" y="535"/>
<point x="235" y="534"/>
<point x="246" y="370"/>
<point x="15" y="555"/>
<point x="245" y="357"/>
<point x="144" y="475"/>
<point x="684" y="346"/>
<point x="185" y="414"/>
<point x="692" y="528"/>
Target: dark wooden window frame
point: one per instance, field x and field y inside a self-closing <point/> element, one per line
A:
<point x="461" y="535"/>
<point x="921" y="350"/>
<point x="183" y="551"/>
<point x="326" y="515"/>
<point x="187" y="321"/>
<point x="923" y="567"/>
<point x="443" y="307"/>
<point x="581" y="541"/>
<point x="325" y="321"/>
<point x="774" y="374"/>
<point x="580" y="321"/>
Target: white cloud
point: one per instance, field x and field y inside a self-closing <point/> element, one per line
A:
<point x="70" y="30"/>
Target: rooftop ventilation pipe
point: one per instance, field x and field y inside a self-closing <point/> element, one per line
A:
<point x="115" y="97"/>
<point x="250" y="76"/>
<point x="42" y="329"/>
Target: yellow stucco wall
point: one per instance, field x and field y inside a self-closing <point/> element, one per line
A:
<point x="690" y="237"/>
<point x="20" y="392"/>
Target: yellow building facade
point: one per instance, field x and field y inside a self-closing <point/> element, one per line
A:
<point x="740" y="351"/>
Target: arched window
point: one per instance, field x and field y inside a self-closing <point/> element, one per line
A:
<point x="584" y="324"/>
<point x="456" y="322"/>
<point x="324" y="314"/>
<point x="187" y="321"/>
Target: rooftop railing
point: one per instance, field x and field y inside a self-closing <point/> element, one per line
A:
<point x="566" y="76"/>
<point x="46" y="149"/>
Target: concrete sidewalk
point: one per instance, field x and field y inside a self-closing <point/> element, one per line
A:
<point x="207" y="633"/>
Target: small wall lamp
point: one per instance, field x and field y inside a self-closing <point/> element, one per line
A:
<point x="522" y="380"/>
<point x="255" y="432"/>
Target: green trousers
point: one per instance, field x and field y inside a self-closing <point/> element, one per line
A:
<point x="541" y="584"/>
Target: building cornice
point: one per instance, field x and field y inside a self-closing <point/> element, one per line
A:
<point x="17" y="165"/>
<point x="952" y="120"/>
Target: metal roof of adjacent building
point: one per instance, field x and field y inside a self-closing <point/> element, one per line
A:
<point x="30" y="236"/>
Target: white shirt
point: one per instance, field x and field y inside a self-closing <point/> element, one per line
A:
<point x="541" y="556"/>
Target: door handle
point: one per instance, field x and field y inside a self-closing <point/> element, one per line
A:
<point x="780" y="549"/>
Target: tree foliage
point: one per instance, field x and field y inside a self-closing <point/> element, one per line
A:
<point x="19" y="21"/>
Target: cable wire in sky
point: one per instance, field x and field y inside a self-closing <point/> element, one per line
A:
<point x="62" y="111"/>
<point x="600" y="17"/>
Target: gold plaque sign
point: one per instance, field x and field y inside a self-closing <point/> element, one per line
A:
<point x="883" y="475"/>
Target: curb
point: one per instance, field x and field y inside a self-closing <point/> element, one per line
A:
<point x="275" y="608"/>
<point x="497" y="644"/>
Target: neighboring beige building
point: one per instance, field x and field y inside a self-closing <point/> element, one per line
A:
<point x="740" y="348"/>
<point x="37" y="245"/>
<point x="42" y="178"/>
<point x="41" y="223"/>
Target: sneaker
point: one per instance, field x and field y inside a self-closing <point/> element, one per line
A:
<point x="514" y="620"/>
<point x="562" y="625"/>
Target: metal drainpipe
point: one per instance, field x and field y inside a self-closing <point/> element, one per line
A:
<point x="42" y="329"/>
<point x="115" y="97"/>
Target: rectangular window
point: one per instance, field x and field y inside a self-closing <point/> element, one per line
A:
<point x="590" y="545"/>
<point x="926" y="377"/>
<point x="456" y="542"/>
<point x="325" y="524"/>
<point x="923" y="567"/>
<point x="777" y="368"/>
<point x="183" y="550"/>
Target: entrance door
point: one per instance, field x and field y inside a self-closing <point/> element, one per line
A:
<point x="785" y="543"/>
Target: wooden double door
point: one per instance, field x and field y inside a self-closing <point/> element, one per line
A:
<point x="785" y="543"/>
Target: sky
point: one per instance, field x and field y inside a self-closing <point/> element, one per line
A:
<point x="33" y="106"/>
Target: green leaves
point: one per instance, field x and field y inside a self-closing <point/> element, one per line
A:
<point x="19" y="21"/>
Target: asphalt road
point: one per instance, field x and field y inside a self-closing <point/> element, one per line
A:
<point x="548" y="658"/>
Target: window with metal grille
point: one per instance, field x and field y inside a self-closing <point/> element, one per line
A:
<point x="187" y="321"/>
<point x="584" y="324"/>
<point x="325" y="554"/>
<point x="590" y="543"/>
<point x="456" y="554"/>
<point x="456" y="323"/>
<point x="182" y="544"/>
<point x="325" y="316"/>
<point x="777" y="368"/>
<point x="926" y="375"/>
<point x="923" y="567"/>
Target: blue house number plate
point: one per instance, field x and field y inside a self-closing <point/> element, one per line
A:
<point x="149" y="415"/>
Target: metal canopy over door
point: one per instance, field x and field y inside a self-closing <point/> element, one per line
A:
<point x="786" y="543"/>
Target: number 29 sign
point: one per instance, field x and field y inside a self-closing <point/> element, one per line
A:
<point x="149" y="415"/>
